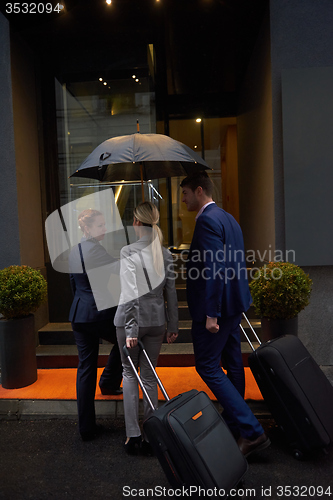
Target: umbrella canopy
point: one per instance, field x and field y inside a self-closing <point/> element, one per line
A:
<point x="140" y="157"/>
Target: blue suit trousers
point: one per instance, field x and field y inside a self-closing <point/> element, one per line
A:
<point x="212" y="349"/>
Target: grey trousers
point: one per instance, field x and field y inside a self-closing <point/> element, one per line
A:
<point x="152" y="338"/>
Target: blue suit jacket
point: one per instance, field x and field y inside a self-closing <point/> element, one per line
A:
<point x="217" y="284"/>
<point x="84" y="309"/>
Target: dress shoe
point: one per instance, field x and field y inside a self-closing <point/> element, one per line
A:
<point x="132" y="446"/>
<point x="109" y="391"/>
<point x="248" y="446"/>
<point x="90" y="435"/>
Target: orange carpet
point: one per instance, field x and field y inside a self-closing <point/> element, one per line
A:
<point x="60" y="384"/>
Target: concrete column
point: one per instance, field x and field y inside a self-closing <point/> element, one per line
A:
<point x="9" y="224"/>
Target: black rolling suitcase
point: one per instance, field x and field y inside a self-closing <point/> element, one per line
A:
<point x="296" y="391"/>
<point x="192" y="442"/>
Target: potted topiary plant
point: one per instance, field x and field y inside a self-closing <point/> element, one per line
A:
<point x="22" y="290"/>
<point x="280" y="290"/>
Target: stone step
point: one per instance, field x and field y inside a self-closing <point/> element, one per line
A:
<point x="181" y="292"/>
<point x="57" y="344"/>
<point x="65" y="356"/>
<point x="56" y="334"/>
<point x="62" y="334"/>
<point x="183" y="312"/>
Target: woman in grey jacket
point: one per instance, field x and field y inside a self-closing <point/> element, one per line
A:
<point x="146" y="273"/>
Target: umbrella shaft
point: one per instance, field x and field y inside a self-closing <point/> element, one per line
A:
<point x="142" y="187"/>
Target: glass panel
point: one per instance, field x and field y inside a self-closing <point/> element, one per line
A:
<point x="91" y="112"/>
<point x="127" y="195"/>
<point x="183" y="221"/>
<point x="208" y="137"/>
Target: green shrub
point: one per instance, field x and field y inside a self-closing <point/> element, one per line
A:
<point x="22" y="290"/>
<point x="280" y="290"/>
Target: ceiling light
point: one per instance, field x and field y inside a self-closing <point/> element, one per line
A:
<point x="133" y="76"/>
<point x="104" y="83"/>
<point x="109" y="2"/>
<point x="195" y="147"/>
<point x="137" y="79"/>
<point x="198" y="120"/>
<point x="100" y="79"/>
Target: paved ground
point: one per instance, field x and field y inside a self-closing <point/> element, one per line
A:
<point x="46" y="459"/>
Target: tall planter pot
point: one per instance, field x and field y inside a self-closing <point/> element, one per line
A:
<point x="273" y="328"/>
<point x="18" y="352"/>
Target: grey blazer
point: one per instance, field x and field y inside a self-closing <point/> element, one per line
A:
<point x="138" y="305"/>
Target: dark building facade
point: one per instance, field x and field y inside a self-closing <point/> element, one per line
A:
<point x="260" y="74"/>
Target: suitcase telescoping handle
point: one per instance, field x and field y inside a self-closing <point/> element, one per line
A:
<point x="127" y="354"/>
<point x="245" y="334"/>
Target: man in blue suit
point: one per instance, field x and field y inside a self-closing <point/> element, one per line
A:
<point x="217" y="294"/>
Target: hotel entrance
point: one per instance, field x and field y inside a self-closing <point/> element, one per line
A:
<point x="91" y="111"/>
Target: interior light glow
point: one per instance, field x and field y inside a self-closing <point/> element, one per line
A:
<point x="198" y="120"/>
<point x="137" y="79"/>
<point x="100" y="79"/>
<point x="195" y="147"/>
<point x="104" y="83"/>
<point x="133" y="76"/>
<point x="109" y="2"/>
<point x="116" y="198"/>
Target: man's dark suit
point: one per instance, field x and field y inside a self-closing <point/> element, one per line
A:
<point x="89" y="324"/>
<point x="217" y="286"/>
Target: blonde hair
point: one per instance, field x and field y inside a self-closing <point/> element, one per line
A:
<point x="87" y="217"/>
<point x="148" y="214"/>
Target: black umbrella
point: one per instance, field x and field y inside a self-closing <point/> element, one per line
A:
<point x="140" y="157"/>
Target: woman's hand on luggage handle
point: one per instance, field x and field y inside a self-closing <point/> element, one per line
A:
<point x="131" y="342"/>
<point x="171" y="337"/>
<point x="212" y="325"/>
